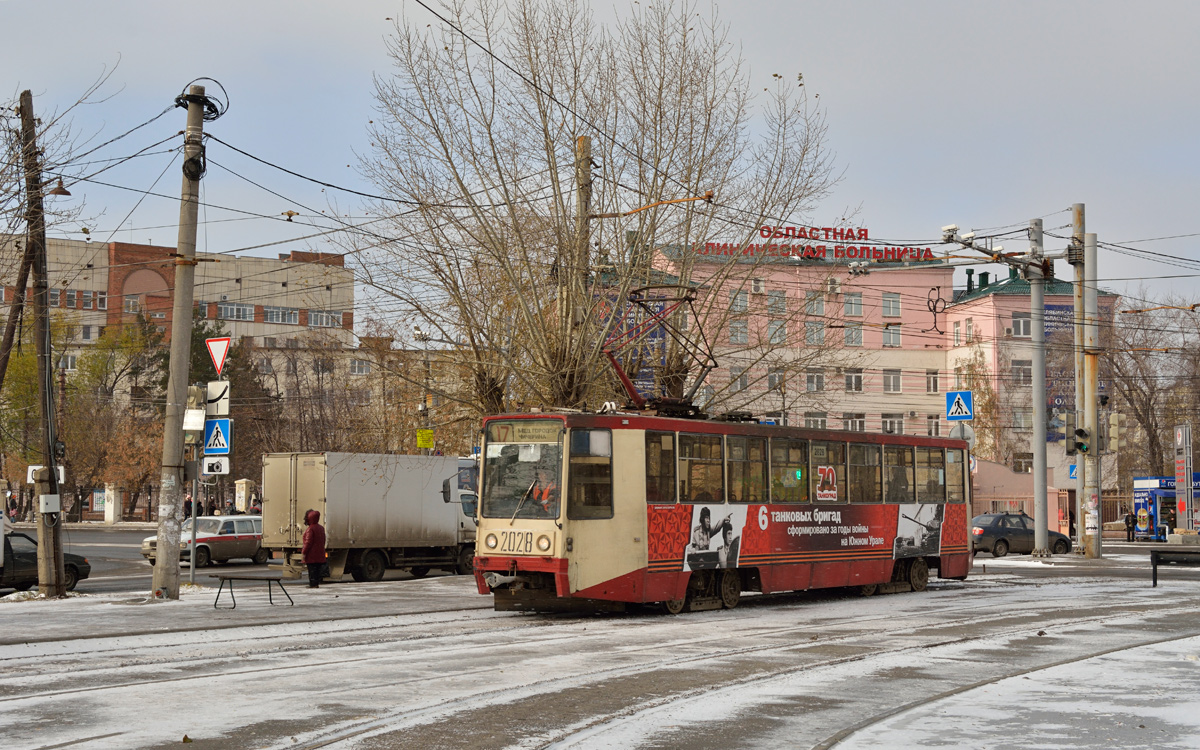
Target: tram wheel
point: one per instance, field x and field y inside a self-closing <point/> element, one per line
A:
<point x="731" y="588"/>
<point x="918" y="574"/>
<point x="675" y="606"/>
<point x="871" y="589"/>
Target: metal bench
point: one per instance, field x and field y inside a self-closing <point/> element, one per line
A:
<point x="230" y="578"/>
<point x="1171" y="556"/>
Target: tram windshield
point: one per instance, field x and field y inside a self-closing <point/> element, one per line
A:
<point x="522" y="468"/>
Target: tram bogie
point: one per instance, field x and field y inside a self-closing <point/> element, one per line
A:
<point x="595" y="512"/>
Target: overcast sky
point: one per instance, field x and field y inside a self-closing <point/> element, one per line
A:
<point x="982" y="115"/>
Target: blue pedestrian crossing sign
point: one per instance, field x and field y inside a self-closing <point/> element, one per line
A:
<point x="960" y="407"/>
<point x="218" y="437"/>
<point x="1074" y="471"/>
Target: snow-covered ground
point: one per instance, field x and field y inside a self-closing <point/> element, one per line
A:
<point x="1002" y="659"/>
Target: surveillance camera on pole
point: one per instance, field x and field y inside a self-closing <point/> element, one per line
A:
<point x="948" y="232"/>
<point x="967" y="237"/>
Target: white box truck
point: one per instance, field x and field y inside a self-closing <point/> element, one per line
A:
<point x="379" y="511"/>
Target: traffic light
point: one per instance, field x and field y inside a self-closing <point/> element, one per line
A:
<point x="1083" y="440"/>
<point x="1102" y="444"/>
<point x="197" y="397"/>
<point x="1069" y="432"/>
<point x="1117" y="432"/>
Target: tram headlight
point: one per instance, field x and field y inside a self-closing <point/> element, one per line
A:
<point x="543" y="543"/>
<point x="490" y="541"/>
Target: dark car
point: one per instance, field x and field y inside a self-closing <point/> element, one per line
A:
<point x="1001" y="533"/>
<point x="21" y="568"/>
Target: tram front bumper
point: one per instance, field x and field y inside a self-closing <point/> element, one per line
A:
<point x="493" y="573"/>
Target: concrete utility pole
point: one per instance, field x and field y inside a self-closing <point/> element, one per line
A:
<point x="170" y="502"/>
<point x="1091" y="398"/>
<point x="1075" y="258"/>
<point x="49" y="555"/>
<point x="1034" y="271"/>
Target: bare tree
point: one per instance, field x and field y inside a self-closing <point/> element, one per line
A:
<point x="496" y="244"/>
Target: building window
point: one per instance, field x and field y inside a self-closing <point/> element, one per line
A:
<point x="893" y="424"/>
<point x="705" y="395"/>
<point x="814" y="380"/>
<point x="816" y="420"/>
<point x="67" y="362"/>
<point x="322" y="365"/>
<point x="776" y="302"/>
<point x="738" y="379"/>
<point x="814" y="333"/>
<point x="891" y="305"/>
<point x="931" y="381"/>
<point x="739" y="302"/>
<point x="957" y="333"/>
<point x="775" y="379"/>
<point x="854" y="380"/>
<point x="1022" y="325"/>
<point x="739" y="332"/>
<point x="1023" y="463"/>
<point x="132" y="305"/>
<point x="970" y="326"/>
<point x="853" y="304"/>
<point x="1023" y="419"/>
<point x="86" y="300"/>
<point x="360" y="367"/>
<point x="960" y="379"/>
<point x="281" y="315"/>
<point x="891" y="336"/>
<point x="853" y="334"/>
<point x="854" y="422"/>
<point x="101" y="300"/>
<point x="85" y="333"/>
<point x="1022" y="372"/>
<point x="933" y="425"/>
<point x="892" y="381"/>
<point x="54" y="297"/>
<point x="325" y="318"/>
<point x="235" y="311"/>
<point x="777" y="332"/>
<point x="201" y="309"/>
<point x="71" y="299"/>
<point x="265" y="367"/>
<point x="814" y="303"/>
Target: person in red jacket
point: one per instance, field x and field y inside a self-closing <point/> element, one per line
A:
<point x="312" y="547"/>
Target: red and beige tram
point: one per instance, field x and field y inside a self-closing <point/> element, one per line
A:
<point x="594" y="511"/>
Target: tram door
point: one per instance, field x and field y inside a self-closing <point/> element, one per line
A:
<point x="605" y="514"/>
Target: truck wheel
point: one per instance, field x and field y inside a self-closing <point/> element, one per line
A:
<point x="373" y="566"/>
<point x="466" y="561"/>
<point x="357" y="574"/>
<point x="419" y="571"/>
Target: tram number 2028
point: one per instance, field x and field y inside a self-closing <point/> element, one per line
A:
<point x="516" y="542"/>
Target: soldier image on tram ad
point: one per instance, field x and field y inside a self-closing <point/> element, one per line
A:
<point x="919" y="531"/>
<point x="714" y="544"/>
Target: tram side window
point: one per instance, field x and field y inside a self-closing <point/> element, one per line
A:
<point x="590" y="475"/>
<point x="828" y="473"/>
<point x="702" y="469"/>
<point x="931" y="476"/>
<point x="660" y="467"/>
<point x="747" y="469"/>
<point x="789" y="471"/>
<point x="898" y="474"/>
<point x="866" y="474"/>
<point x="955" y="476"/>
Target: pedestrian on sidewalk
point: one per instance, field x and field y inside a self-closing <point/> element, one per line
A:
<point x="312" y="547"/>
<point x="1129" y="524"/>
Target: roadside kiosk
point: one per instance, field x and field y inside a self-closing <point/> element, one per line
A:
<point x="1154" y="505"/>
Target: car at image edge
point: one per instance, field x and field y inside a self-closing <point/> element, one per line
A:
<point x="20" y="564"/>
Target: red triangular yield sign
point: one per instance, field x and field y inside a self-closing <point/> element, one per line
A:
<point x="218" y="349"/>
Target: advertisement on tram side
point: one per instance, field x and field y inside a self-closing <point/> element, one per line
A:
<point x="697" y="537"/>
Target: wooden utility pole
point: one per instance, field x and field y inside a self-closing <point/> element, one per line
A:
<point x="49" y="557"/>
<point x="170" y="496"/>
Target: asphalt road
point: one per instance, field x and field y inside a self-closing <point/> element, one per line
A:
<point x="426" y="663"/>
<point x="118" y="565"/>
